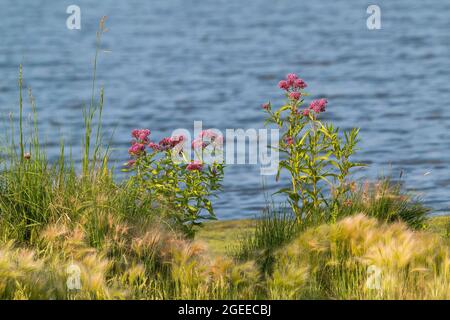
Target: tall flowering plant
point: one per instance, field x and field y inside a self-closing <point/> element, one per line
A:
<point x="165" y="175"/>
<point x="317" y="156"/>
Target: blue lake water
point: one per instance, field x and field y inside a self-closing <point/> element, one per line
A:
<point x="175" y="61"/>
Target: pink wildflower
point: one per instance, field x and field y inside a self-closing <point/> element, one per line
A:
<point x="135" y="133"/>
<point x="294" y="95"/>
<point x="266" y="106"/>
<point x="170" y="142"/>
<point x="283" y="84"/>
<point x="141" y="135"/>
<point x="318" y="106"/>
<point x="291" y="77"/>
<point x="176" y="140"/>
<point x="165" y="143"/>
<point x="300" y="84"/>
<point x="136" y="149"/>
<point x="194" y="165"/>
<point x="305" y="112"/>
<point x="154" y="146"/>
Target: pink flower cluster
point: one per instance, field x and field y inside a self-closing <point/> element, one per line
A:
<point x="292" y="83"/>
<point x="205" y="138"/>
<point x="319" y="105"/>
<point x="136" y="149"/>
<point x="195" y="165"/>
<point x="141" y="135"/>
<point x="141" y="140"/>
<point x="293" y="86"/>
<point x="167" y="143"/>
<point x="295" y="95"/>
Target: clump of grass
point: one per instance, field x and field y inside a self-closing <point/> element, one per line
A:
<point x="25" y="274"/>
<point x="271" y="230"/>
<point x="332" y="262"/>
<point x="274" y="228"/>
<point x="385" y="201"/>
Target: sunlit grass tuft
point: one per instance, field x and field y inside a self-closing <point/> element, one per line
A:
<point x="334" y="262"/>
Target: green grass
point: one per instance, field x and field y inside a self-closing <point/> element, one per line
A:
<point x="222" y="236"/>
<point x="386" y="201"/>
<point x="439" y="225"/>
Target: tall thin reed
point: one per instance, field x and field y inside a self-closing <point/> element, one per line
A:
<point x="89" y="113"/>
<point x="21" y="113"/>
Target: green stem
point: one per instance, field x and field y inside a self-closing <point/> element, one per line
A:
<point x="22" y="153"/>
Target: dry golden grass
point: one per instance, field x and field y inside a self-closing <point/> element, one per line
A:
<point x="334" y="262"/>
<point x="132" y="261"/>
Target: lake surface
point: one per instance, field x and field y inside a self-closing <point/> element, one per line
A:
<point x="175" y="61"/>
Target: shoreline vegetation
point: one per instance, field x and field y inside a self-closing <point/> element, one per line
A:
<point x="78" y="233"/>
